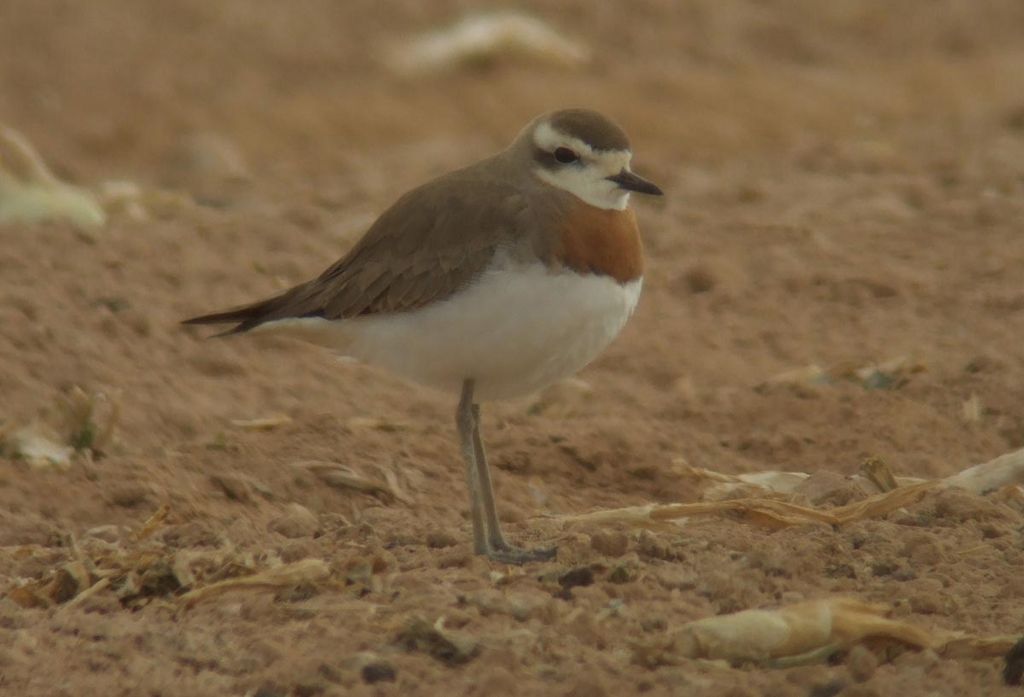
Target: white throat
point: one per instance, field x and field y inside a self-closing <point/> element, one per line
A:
<point x="601" y="192"/>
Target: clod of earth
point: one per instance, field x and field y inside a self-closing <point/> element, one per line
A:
<point x="448" y="647"/>
<point x="1013" y="672"/>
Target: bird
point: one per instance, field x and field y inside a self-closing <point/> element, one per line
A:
<point x="490" y="282"/>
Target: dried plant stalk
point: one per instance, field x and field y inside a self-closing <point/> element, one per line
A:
<point x="154" y="522"/>
<point x="344" y="477"/>
<point x="89" y="592"/>
<point x="265" y="423"/>
<point x="88" y="420"/>
<point x="722" y="485"/>
<point x="878" y="471"/>
<point x="764" y="512"/>
<point x="294" y="574"/>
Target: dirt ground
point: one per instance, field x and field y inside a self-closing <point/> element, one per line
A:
<point x="845" y="187"/>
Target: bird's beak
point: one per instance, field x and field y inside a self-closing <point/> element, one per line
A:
<point x="631" y="182"/>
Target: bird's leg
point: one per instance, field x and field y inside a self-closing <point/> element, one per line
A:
<point x="464" y="419"/>
<point x="483" y="475"/>
<point x="499" y="548"/>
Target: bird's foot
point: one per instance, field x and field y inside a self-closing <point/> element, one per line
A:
<point x="507" y="554"/>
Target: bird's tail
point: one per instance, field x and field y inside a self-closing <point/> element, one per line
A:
<point x="245" y="317"/>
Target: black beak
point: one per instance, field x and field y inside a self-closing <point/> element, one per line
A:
<point x="631" y="182"/>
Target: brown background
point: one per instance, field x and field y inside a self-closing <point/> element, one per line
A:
<point x="844" y="185"/>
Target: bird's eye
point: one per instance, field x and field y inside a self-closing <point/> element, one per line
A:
<point x="565" y="155"/>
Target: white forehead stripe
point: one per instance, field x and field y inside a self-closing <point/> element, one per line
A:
<point x="547" y="138"/>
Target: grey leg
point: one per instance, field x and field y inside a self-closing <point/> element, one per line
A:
<point x="483" y="474"/>
<point x="498" y="548"/>
<point x="464" y="419"/>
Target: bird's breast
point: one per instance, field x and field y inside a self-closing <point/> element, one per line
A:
<point x="593" y="240"/>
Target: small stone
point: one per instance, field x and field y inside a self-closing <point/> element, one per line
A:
<point x="107" y="533"/>
<point x="383" y="560"/>
<point x="498" y="680"/>
<point x="699" y="279"/>
<point x="621" y="574"/>
<point x="906" y="574"/>
<point x="297" y="550"/>
<point x="235" y="487"/>
<point x="654" y="624"/>
<point x="673" y="578"/>
<point x="825" y="487"/>
<point x="312" y="688"/>
<point x="927" y="603"/>
<point x="580" y="576"/>
<point x="563" y="399"/>
<point x="269" y="691"/>
<point x="439" y="539"/>
<point x="63" y="586"/>
<point x="523" y="606"/>
<point x="455" y="560"/>
<point x="654" y="547"/>
<point x="208" y="165"/>
<point x="448" y="647"/>
<point x="924" y="660"/>
<point x="297" y="521"/>
<point x="610" y="544"/>
<point x="827" y="689"/>
<point x="296" y="594"/>
<point x="1013" y="672"/>
<point x="861" y="663"/>
<point x="884" y="567"/>
<point x="378" y="671"/>
<point x="128" y="495"/>
<point x="923" y="549"/>
<point x="587" y="687"/>
<point x="100" y="604"/>
<point x="329" y="673"/>
<point x="359" y="571"/>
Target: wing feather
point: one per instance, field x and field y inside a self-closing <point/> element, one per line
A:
<point x="430" y="244"/>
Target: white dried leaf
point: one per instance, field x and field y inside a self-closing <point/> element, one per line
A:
<point x="41" y="450"/>
<point x="485" y="37"/>
<point x="30" y="193"/>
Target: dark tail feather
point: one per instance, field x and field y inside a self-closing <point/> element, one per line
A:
<point x="254" y="314"/>
<point x="247" y="317"/>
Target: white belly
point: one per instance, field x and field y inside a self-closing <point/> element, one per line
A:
<point x="513" y="330"/>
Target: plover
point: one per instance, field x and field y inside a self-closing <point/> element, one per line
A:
<point x="490" y="282"/>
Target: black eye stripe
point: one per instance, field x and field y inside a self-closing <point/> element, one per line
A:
<point x="566" y="155"/>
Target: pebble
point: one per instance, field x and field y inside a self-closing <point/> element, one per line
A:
<point x="297" y="521"/>
<point x="610" y="544"/>
<point x="1013" y="672"/>
<point x="922" y="549"/>
<point x="378" y="671"/>
<point x="439" y="539"/>
<point x="580" y="576"/>
<point x="106" y="533"/>
<point x="861" y="663"/>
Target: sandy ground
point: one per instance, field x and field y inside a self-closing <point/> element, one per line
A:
<point x="845" y="187"/>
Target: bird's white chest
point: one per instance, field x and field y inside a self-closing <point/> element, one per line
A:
<point x="514" y="330"/>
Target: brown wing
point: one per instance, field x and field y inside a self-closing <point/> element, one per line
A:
<point x="428" y="245"/>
